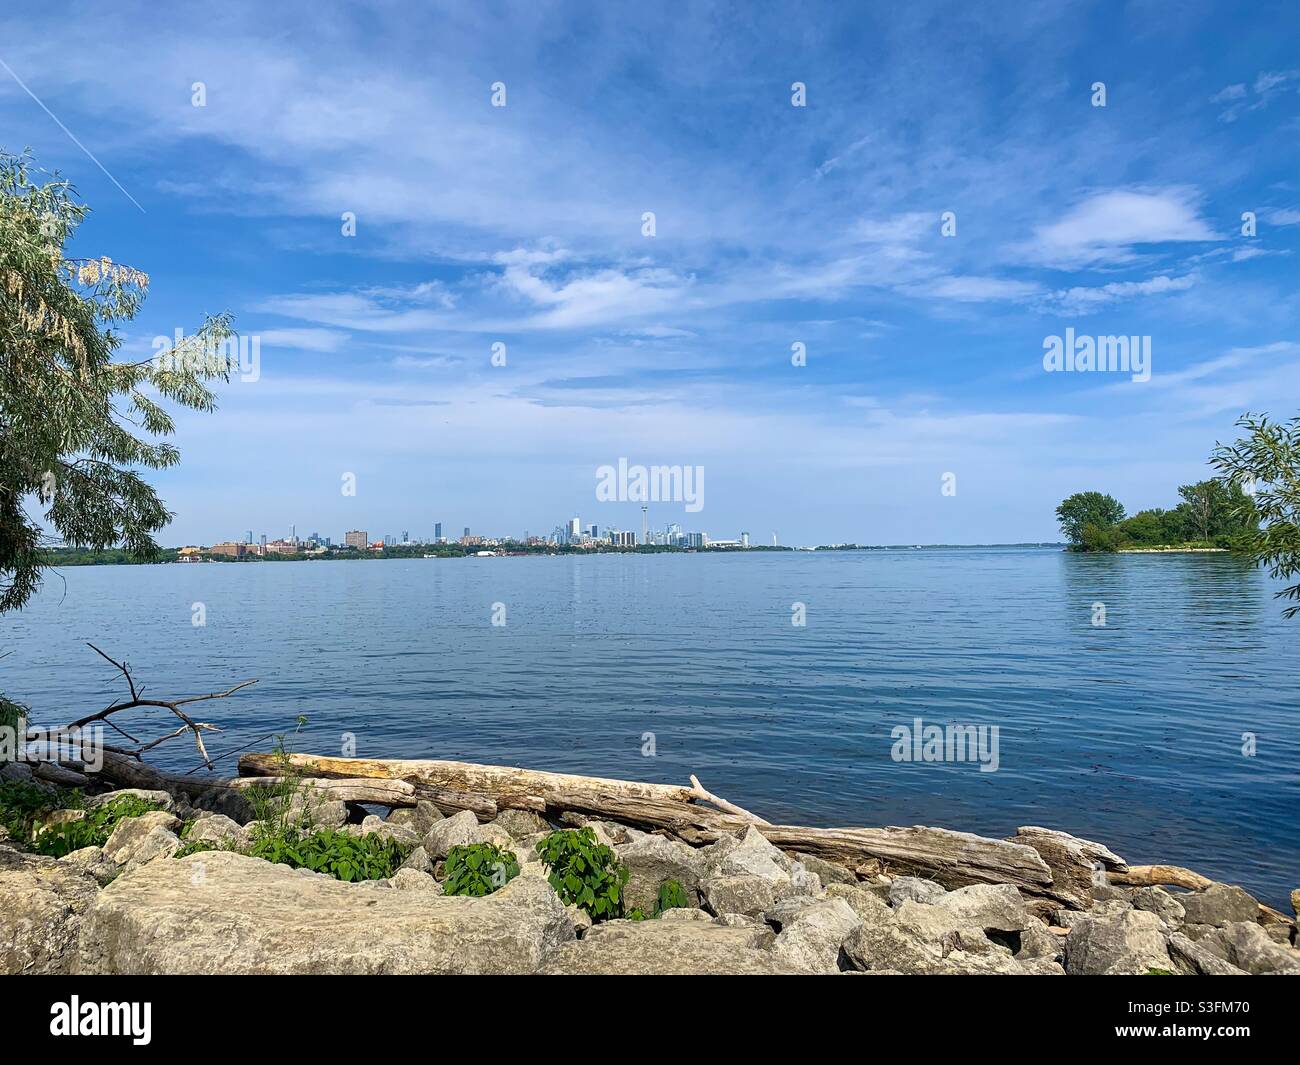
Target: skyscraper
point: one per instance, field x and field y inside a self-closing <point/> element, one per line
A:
<point x="575" y="528"/>
<point x="437" y="532"/>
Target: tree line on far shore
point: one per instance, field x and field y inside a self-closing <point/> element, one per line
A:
<point x="1211" y="514"/>
<point x="1252" y="507"/>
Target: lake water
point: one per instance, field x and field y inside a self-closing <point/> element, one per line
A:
<point x="1128" y="733"/>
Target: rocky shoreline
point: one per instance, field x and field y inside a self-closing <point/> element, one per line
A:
<point x="746" y="906"/>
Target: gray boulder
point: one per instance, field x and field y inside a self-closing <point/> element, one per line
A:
<point x="220" y="912"/>
<point x="997" y="909"/>
<point x="419" y="861"/>
<point x="752" y="855"/>
<point x="1247" y="946"/>
<point x="218" y="829"/>
<point x="127" y="842"/>
<point x="669" y="948"/>
<point x="412" y="880"/>
<point x="910" y="887"/>
<point x="375" y="825"/>
<point x="1160" y="902"/>
<point x="1126" y="944"/>
<point x="828" y="872"/>
<point x="1218" y="905"/>
<point x="520" y="824"/>
<point x="1192" y="959"/>
<point x="451" y="832"/>
<point x="419" y="818"/>
<point x="813" y="939"/>
<point x="42" y="904"/>
<point x="93" y="862"/>
<point x="749" y="896"/>
<point x="653" y="859"/>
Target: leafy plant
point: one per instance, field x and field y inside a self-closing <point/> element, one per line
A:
<point x="478" y="869"/>
<point x="672" y="896"/>
<point x="92" y="830"/>
<point x="20" y="804"/>
<point x="583" y="872"/>
<point x="344" y="857"/>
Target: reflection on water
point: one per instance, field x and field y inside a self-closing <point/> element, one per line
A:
<point x="1129" y="733"/>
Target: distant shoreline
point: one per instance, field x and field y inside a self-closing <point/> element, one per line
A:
<point x="59" y="557"/>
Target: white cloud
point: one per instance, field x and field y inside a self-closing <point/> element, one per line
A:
<point x="1109" y="226"/>
<point x="1082" y="298"/>
<point x="327" y="340"/>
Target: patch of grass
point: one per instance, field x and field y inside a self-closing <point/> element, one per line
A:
<point x="478" y="869"/>
<point x="584" y="873"/>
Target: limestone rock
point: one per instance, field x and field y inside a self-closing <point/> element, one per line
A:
<point x="753" y="855"/>
<point x="412" y="880"/>
<point x="828" y="872"/>
<point x="995" y="908"/>
<point x="1126" y="944"/>
<point x="747" y="895"/>
<point x="521" y="823"/>
<point x="864" y="901"/>
<point x="419" y="860"/>
<point x="420" y="818"/>
<point x="402" y="834"/>
<point x="243" y="915"/>
<point x="42" y="904"/>
<point x="130" y="834"/>
<point x="1193" y="959"/>
<point x="911" y="887"/>
<point x="812" y="940"/>
<point x="653" y="859"/>
<point x="1247" y="946"/>
<point x="451" y="832"/>
<point x="1160" y="902"/>
<point x="93" y="862"/>
<point x="219" y="829"/>
<point x="1219" y="905"/>
<point x="668" y="948"/>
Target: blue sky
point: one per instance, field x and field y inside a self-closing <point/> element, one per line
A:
<point x="775" y="224"/>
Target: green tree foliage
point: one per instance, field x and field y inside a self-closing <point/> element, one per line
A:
<point x="1264" y="469"/>
<point x="1087" y="508"/>
<point x="77" y="426"/>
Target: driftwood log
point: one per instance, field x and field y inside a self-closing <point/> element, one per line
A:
<point x="952" y="859"/>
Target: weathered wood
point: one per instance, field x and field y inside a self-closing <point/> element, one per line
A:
<point x="700" y="792"/>
<point x="360" y="789"/>
<point x="133" y="773"/>
<point x="953" y="859"/>
<point x="1177" y="876"/>
<point x="492" y="780"/>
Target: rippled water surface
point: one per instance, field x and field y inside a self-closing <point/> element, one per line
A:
<point x="1129" y="733"/>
